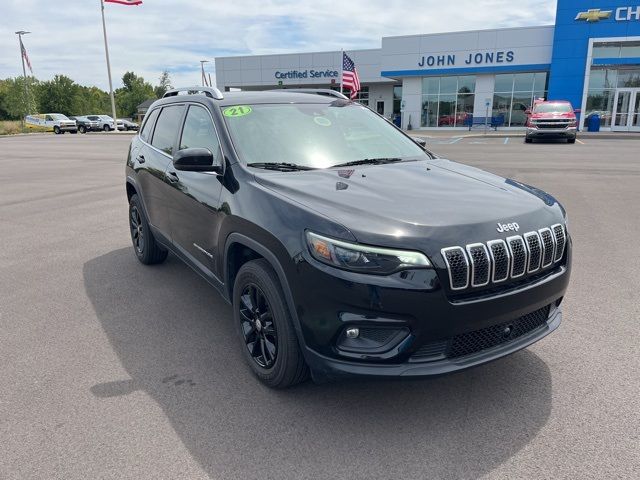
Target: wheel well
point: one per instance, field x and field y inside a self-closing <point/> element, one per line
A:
<point x="237" y="256"/>
<point x="131" y="191"/>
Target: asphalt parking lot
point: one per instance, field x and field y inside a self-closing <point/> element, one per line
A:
<point x="115" y="370"/>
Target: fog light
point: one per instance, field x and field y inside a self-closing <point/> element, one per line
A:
<point x="353" y="332"/>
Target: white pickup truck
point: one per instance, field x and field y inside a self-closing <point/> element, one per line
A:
<point x="56" y="122"/>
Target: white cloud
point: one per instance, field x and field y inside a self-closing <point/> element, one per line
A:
<point x="159" y="34"/>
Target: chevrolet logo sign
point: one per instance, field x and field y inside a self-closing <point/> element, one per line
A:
<point x="594" y="15"/>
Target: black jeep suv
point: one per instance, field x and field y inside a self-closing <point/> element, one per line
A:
<point x="343" y="246"/>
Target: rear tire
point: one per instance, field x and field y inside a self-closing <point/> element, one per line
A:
<point x="145" y="246"/>
<point x="106" y="128"/>
<point x="528" y="140"/>
<point x="265" y="328"/>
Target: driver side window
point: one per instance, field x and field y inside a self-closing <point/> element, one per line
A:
<point x="198" y="132"/>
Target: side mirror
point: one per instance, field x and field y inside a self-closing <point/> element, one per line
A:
<point x="196" y="160"/>
<point x="422" y="143"/>
<point x="527" y="111"/>
<point x="577" y="110"/>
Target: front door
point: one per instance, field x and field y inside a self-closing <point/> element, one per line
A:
<point x="626" y="110"/>
<point x="195" y="201"/>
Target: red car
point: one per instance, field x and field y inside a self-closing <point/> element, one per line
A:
<point x="551" y="119"/>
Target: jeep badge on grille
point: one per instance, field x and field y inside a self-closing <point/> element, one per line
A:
<point x="506" y="227"/>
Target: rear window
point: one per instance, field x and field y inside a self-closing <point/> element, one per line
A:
<point x="553" y="108"/>
<point x="167" y="127"/>
<point x="145" y="133"/>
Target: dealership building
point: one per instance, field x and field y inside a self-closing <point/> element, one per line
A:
<point x="591" y="57"/>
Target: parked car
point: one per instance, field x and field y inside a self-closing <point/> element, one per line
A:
<point x="56" y="122"/>
<point x="343" y="254"/>
<point x="127" y="125"/>
<point x="551" y="119"/>
<point x="105" y="122"/>
<point x="84" y="124"/>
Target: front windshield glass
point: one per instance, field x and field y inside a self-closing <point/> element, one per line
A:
<point x="314" y="135"/>
<point x="59" y="116"/>
<point x="553" y="108"/>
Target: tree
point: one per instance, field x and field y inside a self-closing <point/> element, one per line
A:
<point x="57" y="95"/>
<point x="165" y="84"/>
<point x="134" y="92"/>
<point x="12" y="97"/>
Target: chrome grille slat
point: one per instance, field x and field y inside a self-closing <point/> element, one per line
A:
<point x="532" y="239"/>
<point x="548" y="246"/>
<point x="458" y="267"/>
<point x="500" y="260"/>
<point x="561" y="240"/>
<point x="479" y="264"/>
<point x="519" y="256"/>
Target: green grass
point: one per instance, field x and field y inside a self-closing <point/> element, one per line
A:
<point x="11" y="127"/>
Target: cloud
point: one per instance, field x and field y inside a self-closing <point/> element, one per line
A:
<point x="166" y="34"/>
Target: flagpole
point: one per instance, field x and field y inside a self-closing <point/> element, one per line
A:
<point x="341" y="68"/>
<point x="106" y="51"/>
<point x="24" y="73"/>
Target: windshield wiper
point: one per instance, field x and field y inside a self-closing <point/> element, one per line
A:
<point x="282" y="166"/>
<point x="369" y="161"/>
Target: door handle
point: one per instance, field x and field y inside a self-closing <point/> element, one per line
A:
<point x="140" y="158"/>
<point x="172" y="177"/>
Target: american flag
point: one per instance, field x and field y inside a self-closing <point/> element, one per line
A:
<point x="350" y="78"/>
<point x="25" y="56"/>
<point x="125" y="2"/>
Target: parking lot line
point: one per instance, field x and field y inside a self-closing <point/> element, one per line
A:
<point x="580" y="141"/>
<point x="506" y="140"/>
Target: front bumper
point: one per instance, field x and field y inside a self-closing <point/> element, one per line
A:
<point x="570" y="132"/>
<point x="326" y="369"/>
<point x="327" y="302"/>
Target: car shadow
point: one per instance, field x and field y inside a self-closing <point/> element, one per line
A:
<point x="174" y="336"/>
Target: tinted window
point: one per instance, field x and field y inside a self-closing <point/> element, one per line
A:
<point x="167" y="127"/>
<point x="147" y="128"/>
<point x="199" y="132"/>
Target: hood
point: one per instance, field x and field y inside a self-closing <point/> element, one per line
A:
<point x="408" y="203"/>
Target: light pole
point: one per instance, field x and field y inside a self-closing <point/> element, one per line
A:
<point x="24" y="73"/>
<point x="106" y="52"/>
<point x="204" y="78"/>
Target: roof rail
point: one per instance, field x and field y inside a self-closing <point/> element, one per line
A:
<point x="327" y="92"/>
<point x="211" y="92"/>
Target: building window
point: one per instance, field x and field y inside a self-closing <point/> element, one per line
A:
<point x="447" y="101"/>
<point x="514" y="94"/>
<point x="603" y="83"/>
<point x="362" y="97"/>
<point x="616" y="50"/>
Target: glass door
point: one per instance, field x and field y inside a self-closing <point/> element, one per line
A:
<point x="635" y="111"/>
<point x="626" y="113"/>
<point x="621" y="110"/>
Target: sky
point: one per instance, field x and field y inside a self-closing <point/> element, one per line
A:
<point x="175" y="35"/>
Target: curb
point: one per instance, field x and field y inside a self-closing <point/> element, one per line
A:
<point x="581" y="135"/>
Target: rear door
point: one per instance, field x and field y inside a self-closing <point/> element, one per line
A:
<point x="159" y="138"/>
<point x="195" y="201"/>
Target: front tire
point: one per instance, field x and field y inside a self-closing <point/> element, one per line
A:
<point x="571" y="140"/>
<point x="82" y="129"/>
<point x="56" y="130"/>
<point x="145" y="246"/>
<point x="106" y="128"/>
<point x="264" y="325"/>
<point x="528" y="140"/>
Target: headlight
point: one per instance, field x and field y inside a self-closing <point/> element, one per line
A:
<point x="363" y="258"/>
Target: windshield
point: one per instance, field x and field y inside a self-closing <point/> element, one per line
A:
<point x="59" y="116"/>
<point x="553" y="108"/>
<point x="314" y="135"/>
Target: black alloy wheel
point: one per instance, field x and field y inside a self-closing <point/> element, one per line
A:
<point x="258" y="328"/>
<point x="137" y="232"/>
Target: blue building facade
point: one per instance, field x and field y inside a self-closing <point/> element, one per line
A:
<point x="596" y="60"/>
